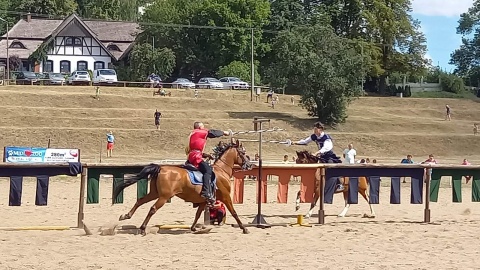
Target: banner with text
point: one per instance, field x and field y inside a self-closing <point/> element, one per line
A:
<point x="40" y="155"/>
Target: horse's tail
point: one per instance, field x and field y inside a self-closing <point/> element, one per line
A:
<point x="151" y="170"/>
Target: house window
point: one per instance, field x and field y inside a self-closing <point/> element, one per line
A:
<point x="82" y="65"/>
<point x="99" y="65"/>
<point x="48" y="66"/>
<point x="69" y="41"/>
<point x="17" y="45"/>
<point x="77" y="41"/>
<point x="113" y="47"/>
<point x="64" y="66"/>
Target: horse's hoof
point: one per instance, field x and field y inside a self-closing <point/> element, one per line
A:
<point x="143" y="232"/>
<point x="297" y="208"/>
<point x="307" y="216"/>
<point x="193" y="229"/>
<point x="340" y="216"/>
<point x="123" y="217"/>
<point x="245" y="231"/>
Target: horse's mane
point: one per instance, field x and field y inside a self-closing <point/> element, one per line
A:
<point x="220" y="149"/>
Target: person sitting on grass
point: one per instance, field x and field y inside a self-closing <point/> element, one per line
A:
<point x="217" y="213"/>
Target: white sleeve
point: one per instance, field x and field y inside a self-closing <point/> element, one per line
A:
<point x="327" y="146"/>
<point x="306" y="140"/>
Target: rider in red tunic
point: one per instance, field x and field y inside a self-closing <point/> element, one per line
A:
<point x="196" y="145"/>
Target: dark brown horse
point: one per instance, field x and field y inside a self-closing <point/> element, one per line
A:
<point x="305" y="157"/>
<point x="173" y="180"/>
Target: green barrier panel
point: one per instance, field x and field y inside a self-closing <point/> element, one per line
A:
<point x="93" y="186"/>
<point x="457" y="189"/>
<point x="142" y="188"/>
<point x="457" y="175"/>
<point x="117" y="180"/>
<point x="434" y="185"/>
<point x="476" y="189"/>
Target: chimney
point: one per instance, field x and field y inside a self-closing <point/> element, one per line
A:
<point x="29" y="17"/>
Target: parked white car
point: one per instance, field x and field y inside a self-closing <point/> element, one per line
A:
<point x="209" y="83"/>
<point x="79" y="77"/>
<point x="234" y="83"/>
<point x="105" y="76"/>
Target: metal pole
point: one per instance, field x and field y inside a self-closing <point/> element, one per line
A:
<point x="259" y="220"/>
<point x="252" y="67"/>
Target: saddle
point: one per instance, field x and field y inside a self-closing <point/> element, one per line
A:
<point x="196" y="177"/>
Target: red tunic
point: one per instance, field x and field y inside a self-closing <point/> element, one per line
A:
<point x="196" y="145"/>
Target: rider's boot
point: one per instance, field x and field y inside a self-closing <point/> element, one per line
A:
<point x="206" y="190"/>
<point x="340" y="186"/>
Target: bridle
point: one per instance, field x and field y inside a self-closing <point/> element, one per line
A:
<point x="219" y="151"/>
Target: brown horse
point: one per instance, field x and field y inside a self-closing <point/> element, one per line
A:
<point x="304" y="157"/>
<point x="173" y="180"/>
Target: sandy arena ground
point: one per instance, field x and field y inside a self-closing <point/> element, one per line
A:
<point x="394" y="240"/>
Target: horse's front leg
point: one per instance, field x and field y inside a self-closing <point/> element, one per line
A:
<point x="347" y="205"/>
<point x="316" y="196"/>
<point x="199" y="212"/>
<point x="364" y="194"/>
<point x="297" y="200"/>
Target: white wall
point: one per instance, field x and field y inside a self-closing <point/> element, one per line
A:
<point x="76" y="54"/>
<point x="74" y="59"/>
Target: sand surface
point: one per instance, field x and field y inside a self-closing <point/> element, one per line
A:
<point x="394" y="240"/>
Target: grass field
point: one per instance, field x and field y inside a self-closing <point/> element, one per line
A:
<point x="384" y="128"/>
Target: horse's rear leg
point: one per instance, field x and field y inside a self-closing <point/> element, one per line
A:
<point x="199" y="212"/>
<point x="229" y="204"/>
<point x="364" y="193"/>
<point x="158" y="204"/>
<point x="147" y="198"/>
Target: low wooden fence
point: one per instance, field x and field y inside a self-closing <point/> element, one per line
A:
<point x="424" y="189"/>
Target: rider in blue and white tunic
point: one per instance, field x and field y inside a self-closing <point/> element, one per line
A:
<point x="325" y="146"/>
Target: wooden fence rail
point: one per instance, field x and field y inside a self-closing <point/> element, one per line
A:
<point x="430" y="172"/>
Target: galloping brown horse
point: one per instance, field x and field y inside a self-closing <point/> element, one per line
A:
<point x="173" y="180"/>
<point x="304" y="157"/>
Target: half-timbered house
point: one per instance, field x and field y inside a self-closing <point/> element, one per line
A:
<point x="68" y="45"/>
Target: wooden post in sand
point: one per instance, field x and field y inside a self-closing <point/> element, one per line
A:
<point x="426" y="212"/>
<point x="81" y="200"/>
<point x="321" y="211"/>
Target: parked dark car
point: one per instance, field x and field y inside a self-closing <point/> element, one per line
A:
<point x="27" y="77"/>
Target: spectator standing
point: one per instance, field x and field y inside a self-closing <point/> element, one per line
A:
<point x="407" y="160"/>
<point x="110" y="143"/>
<point x="449" y="113"/>
<point x="349" y="154"/>
<point x="157" y="116"/>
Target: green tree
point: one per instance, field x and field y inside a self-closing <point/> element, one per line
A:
<point x="144" y="60"/>
<point x="51" y="7"/>
<point x="388" y="26"/>
<point x="325" y="68"/>
<point x="466" y="58"/>
<point x="240" y="70"/>
<point x="110" y="10"/>
<point x="202" y="51"/>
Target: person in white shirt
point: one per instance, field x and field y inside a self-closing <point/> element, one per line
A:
<point x="349" y="154"/>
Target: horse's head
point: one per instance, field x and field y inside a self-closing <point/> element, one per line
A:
<point x="304" y="157"/>
<point x="235" y="152"/>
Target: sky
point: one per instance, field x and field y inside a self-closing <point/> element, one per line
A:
<point x="439" y="20"/>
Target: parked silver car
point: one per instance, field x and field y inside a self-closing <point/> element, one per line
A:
<point x="182" y="83"/>
<point x="234" y="83"/>
<point x="209" y="83"/>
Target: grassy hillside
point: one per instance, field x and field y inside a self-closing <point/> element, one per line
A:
<point x="383" y="128"/>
